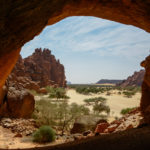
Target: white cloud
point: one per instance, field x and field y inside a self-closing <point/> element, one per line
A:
<point x="94" y="36"/>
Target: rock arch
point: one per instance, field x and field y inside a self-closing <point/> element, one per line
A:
<point x="21" y="21"/>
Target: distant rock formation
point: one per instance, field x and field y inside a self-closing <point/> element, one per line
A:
<point x="135" y="80"/>
<point x="109" y="81"/>
<point x="39" y="70"/>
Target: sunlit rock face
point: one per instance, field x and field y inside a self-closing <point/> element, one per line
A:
<point x="42" y="68"/>
<point x="21" y="21"/>
<point x="145" y="100"/>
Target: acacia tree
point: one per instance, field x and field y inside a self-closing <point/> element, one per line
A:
<point x="94" y="101"/>
<point x="99" y="104"/>
<point x="58" y="93"/>
<point x="68" y="113"/>
<point x="102" y="107"/>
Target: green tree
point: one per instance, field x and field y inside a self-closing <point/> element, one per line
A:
<point x="58" y="93"/>
<point x="94" y="101"/>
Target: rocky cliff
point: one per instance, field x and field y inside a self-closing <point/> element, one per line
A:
<point x="135" y="80"/>
<point x="39" y="70"/>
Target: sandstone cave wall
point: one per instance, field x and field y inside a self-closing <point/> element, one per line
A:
<point x="21" y="21"/>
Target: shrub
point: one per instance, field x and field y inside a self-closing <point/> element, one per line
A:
<point x="119" y="93"/>
<point x="126" y="110"/>
<point x="44" y="134"/>
<point x="108" y="94"/>
<point x="58" y="93"/>
<point x="98" y="108"/>
<point x="128" y="94"/>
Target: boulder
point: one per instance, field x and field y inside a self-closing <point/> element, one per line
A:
<point x="84" y="123"/>
<point x="17" y="103"/>
<point x="101" y="127"/>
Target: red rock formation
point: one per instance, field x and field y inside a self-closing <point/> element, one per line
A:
<point x="43" y="68"/>
<point x="18" y="77"/>
<point x="145" y="99"/>
<point x="135" y="80"/>
<point x="38" y="70"/>
<point x="131" y="120"/>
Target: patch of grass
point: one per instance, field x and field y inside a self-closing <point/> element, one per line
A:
<point x="44" y="134"/>
<point x="129" y="94"/>
<point x="126" y="110"/>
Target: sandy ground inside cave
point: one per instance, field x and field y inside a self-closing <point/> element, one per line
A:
<point x="8" y="141"/>
<point x="116" y="103"/>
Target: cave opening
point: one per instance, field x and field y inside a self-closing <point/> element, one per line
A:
<point x="119" y="15"/>
<point x="92" y="46"/>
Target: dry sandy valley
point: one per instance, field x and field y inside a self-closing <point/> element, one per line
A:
<point x="115" y="101"/>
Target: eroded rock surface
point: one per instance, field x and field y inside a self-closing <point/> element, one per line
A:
<point x="39" y="70"/>
<point x="43" y="68"/>
<point x="145" y="100"/>
<point x="19" y="126"/>
<point x="131" y="120"/>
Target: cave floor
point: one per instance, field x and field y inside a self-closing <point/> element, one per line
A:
<point x="132" y="139"/>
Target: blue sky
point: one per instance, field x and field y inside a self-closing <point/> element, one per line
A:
<point x="91" y="48"/>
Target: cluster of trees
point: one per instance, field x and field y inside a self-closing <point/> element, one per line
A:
<point x="127" y="91"/>
<point x="92" y="90"/>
